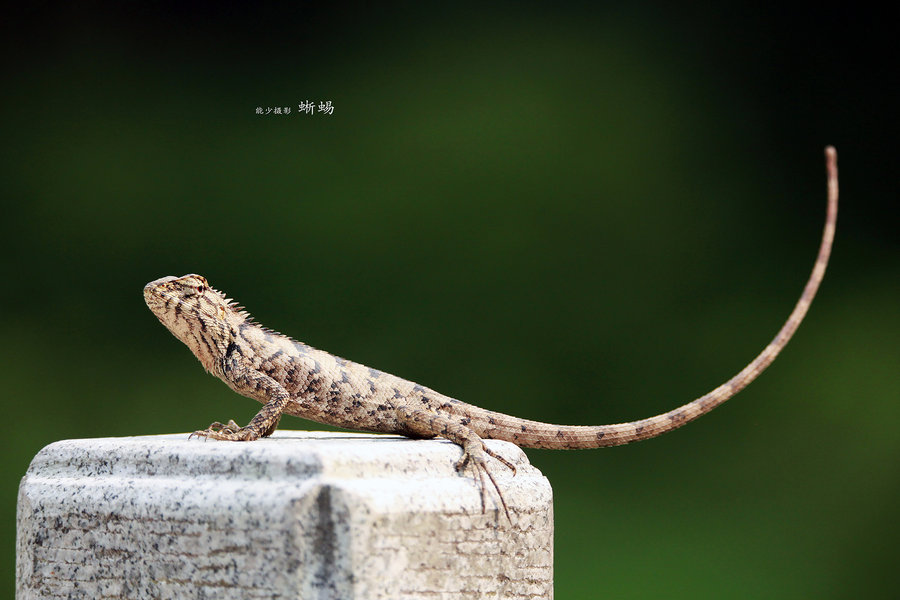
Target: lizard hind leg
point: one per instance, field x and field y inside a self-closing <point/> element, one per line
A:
<point x="474" y="451"/>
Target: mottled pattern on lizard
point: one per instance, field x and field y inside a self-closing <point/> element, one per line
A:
<point x="291" y="377"/>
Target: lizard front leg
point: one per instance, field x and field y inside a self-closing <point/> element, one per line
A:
<point x="266" y="420"/>
<point x="429" y="424"/>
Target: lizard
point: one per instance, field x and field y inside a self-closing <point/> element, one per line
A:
<point x="290" y="377"/>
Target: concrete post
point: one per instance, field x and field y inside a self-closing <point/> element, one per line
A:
<point x="298" y="515"/>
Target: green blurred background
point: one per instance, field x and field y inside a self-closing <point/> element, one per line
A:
<point x="579" y="215"/>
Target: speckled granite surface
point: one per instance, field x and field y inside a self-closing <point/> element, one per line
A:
<point x="298" y="515"/>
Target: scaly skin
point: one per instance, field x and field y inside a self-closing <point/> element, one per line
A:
<point x="290" y="377"/>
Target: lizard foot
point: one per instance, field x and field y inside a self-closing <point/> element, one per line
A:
<point x="422" y="423"/>
<point x="479" y="464"/>
<point x="230" y="431"/>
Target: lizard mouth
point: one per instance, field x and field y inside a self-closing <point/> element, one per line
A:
<point x="155" y="292"/>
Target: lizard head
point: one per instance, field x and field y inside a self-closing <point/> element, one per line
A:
<point x="195" y="313"/>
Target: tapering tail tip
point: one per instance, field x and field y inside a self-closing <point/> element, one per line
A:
<point x="831" y="158"/>
<point x="832" y="171"/>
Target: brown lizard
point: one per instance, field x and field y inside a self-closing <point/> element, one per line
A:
<point x="290" y="377"/>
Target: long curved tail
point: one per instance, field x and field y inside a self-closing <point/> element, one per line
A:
<point x="534" y="434"/>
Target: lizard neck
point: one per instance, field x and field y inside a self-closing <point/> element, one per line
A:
<point x="210" y="344"/>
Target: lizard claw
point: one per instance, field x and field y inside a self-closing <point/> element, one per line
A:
<point x="230" y="431"/>
<point x="505" y="462"/>
<point x="481" y="470"/>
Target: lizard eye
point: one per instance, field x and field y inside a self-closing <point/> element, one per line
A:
<point x="197" y="288"/>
